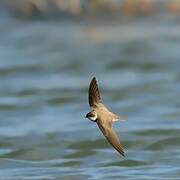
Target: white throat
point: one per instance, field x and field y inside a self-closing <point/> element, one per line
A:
<point x="93" y="118"/>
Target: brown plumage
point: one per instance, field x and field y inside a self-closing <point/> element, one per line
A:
<point x="94" y="95"/>
<point x="103" y="117"/>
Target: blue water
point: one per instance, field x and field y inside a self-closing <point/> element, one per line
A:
<point x="45" y="70"/>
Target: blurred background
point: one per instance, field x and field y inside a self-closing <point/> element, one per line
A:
<point x="49" y="52"/>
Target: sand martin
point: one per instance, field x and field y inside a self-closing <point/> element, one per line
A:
<point x="103" y="117"/>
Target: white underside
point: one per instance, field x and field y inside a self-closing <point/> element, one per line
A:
<point x="114" y="120"/>
<point x="94" y="117"/>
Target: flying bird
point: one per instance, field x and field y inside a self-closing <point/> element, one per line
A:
<point x="103" y="117"/>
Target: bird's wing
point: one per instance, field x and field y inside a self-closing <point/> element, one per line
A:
<point x="111" y="137"/>
<point x="94" y="95"/>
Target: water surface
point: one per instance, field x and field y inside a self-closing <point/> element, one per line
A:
<point x="45" y="69"/>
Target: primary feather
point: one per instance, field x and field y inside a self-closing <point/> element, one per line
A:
<point x="111" y="137"/>
<point x="94" y="95"/>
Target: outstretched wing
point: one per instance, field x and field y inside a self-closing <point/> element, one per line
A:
<point x="94" y="95"/>
<point x="111" y="137"/>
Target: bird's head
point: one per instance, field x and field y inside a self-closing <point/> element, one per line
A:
<point x="92" y="116"/>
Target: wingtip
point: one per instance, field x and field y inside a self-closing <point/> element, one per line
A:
<point x="122" y="153"/>
<point x="94" y="78"/>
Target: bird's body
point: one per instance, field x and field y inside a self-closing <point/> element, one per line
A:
<point x="103" y="117"/>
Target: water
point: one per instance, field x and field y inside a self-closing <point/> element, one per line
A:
<point x="45" y="70"/>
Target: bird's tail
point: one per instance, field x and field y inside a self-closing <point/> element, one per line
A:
<point x="118" y="118"/>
